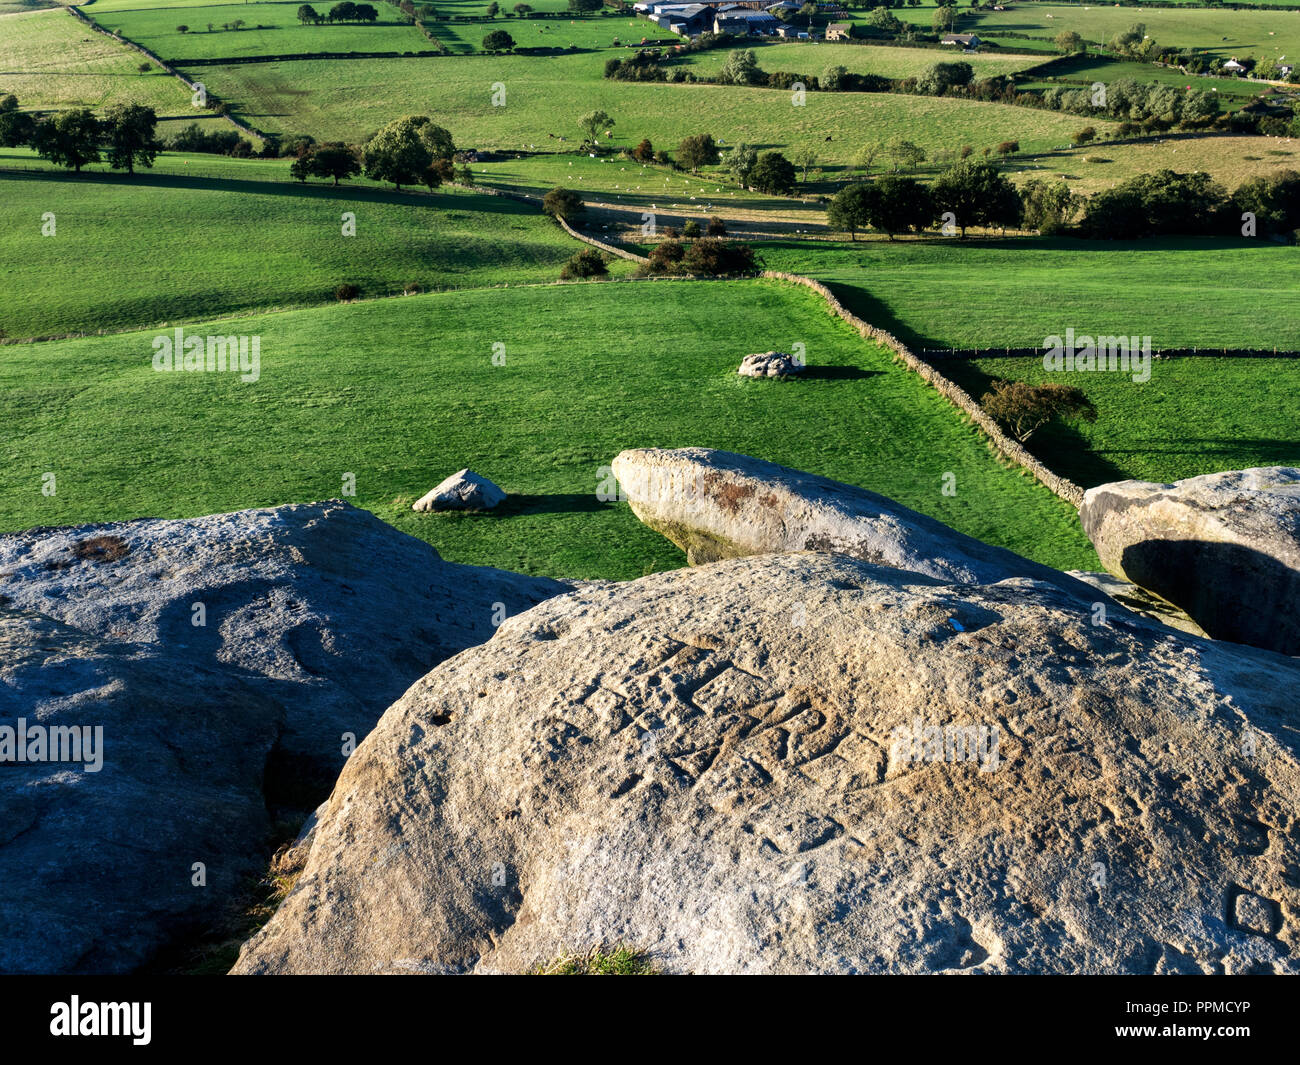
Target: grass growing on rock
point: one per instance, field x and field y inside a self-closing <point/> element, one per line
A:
<point x="402" y="392"/>
<point x="621" y="961"/>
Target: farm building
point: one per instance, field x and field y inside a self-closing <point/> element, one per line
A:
<point x="688" y="20"/>
<point x="838" y="31"/>
<point x="741" y="23"/>
<point x="969" y="41"/>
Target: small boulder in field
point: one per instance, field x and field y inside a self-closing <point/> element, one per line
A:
<point x="463" y="490"/>
<point x="1224" y="547"/>
<point x="769" y="364"/>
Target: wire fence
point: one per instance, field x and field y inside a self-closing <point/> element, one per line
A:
<point x="932" y="354"/>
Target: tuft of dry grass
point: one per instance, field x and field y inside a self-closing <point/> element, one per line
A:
<point x="101" y="549"/>
<point x="621" y="961"/>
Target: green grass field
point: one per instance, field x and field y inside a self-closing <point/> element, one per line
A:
<point x="1194" y="416"/>
<point x="625" y="183"/>
<point x="546" y="96"/>
<point x="1220" y="32"/>
<point x="1181" y="292"/>
<point x="402" y="392"/>
<point x="157" y="248"/>
<point x="813" y="58"/>
<point x="1230" y="160"/>
<point x="13" y="7"/>
<point x="1084" y="70"/>
<point x="49" y="60"/>
<point x="271" y="29"/>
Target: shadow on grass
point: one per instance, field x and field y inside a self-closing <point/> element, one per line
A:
<point x="1067" y="451"/>
<point x="487" y="204"/>
<point x="836" y="373"/>
<point x="554" y="503"/>
<point x="877" y="312"/>
<point x="1237" y="452"/>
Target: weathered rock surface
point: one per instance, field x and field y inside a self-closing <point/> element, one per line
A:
<point x="315" y="618"/>
<point x="716" y="505"/>
<point x="463" y="490"/>
<point x="1224" y="547"/>
<point x="769" y="364"/>
<point x="717" y="765"/>
<point x="1139" y="600"/>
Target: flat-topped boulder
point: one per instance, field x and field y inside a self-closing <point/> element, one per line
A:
<point x="231" y="663"/>
<point x="806" y="763"/>
<point x="769" y="364"/>
<point x="463" y="490"/>
<point x="716" y="505"/>
<point x="1139" y="600"/>
<point x="1224" y="547"/>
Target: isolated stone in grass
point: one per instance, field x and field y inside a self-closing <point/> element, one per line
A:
<point x="769" y="364"/>
<point x="463" y="490"/>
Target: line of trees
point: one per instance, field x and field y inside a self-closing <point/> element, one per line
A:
<point x="1168" y="203"/>
<point x="1164" y="203"/>
<point x="1142" y="107"/>
<point x="126" y="136"/>
<point x="342" y="12"/>
<point x="969" y="194"/>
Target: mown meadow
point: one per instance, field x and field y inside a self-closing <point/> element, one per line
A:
<point x="164" y="247"/>
<point x="1223" y="32"/>
<point x="529" y="102"/>
<point x="52" y="61"/>
<point x="402" y="392"/>
<point x="1182" y="292"/>
<point x="1195" y="415"/>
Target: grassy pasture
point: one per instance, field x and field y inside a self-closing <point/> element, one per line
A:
<point x="1181" y="292"/>
<point x="624" y="183"/>
<point x="195" y="164"/>
<point x="14" y="7"/>
<point x="1194" y="416"/>
<point x="52" y="61"/>
<point x="272" y="29"/>
<point x="1220" y="32"/>
<point x="813" y="58"/>
<point x="1229" y="159"/>
<point x="545" y="96"/>
<point x="402" y="392"/>
<point x="1084" y="70"/>
<point x="158" y="248"/>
